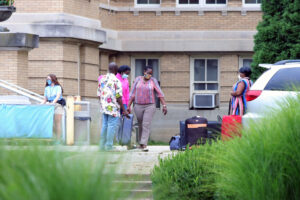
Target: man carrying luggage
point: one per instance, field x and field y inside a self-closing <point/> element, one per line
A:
<point x="110" y="95"/>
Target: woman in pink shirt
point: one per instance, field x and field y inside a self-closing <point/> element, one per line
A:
<point x="143" y="94"/>
<point x="122" y="75"/>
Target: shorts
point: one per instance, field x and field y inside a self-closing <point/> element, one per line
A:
<point x="58" y="110"/>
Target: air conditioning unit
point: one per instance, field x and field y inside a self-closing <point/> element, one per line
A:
<point x="204" y="100"/>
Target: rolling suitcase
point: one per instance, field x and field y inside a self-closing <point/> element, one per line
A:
<point x="231" y="126"/>
<point x="182" y="135"/>
<point x="124" y="134"/>
<point x="196" y="130"/>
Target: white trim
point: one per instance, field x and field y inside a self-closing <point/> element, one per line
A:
<point x="136" y="5"/>
<point x="192" y="90"/>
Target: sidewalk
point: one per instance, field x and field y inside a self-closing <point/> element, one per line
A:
<point x="128" y="162"/>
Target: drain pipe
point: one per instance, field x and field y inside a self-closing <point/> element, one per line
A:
<point x="78" y="68"/>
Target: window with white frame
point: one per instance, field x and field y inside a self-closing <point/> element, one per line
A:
<point x="147" y="2"/>
<point x="201" y="2"/>
<point x="215" y="1"/>
<point x="245" y="62"/>
<point x="140" y="63"/>
<point x="252" y="2"/>
<point x="205" y="75"/>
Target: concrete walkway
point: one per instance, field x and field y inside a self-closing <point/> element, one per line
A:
<point x="128" y="162"/>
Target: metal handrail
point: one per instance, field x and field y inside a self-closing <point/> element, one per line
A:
<point x="21" y="91"/>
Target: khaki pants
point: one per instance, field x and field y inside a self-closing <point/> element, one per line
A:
<point x="144" y="115"/>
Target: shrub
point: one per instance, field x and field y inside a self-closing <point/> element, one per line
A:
<point x="6" y="2"/>
<point x="187" y="175"/>
<point x="29" y="173"/>
<point x="265" y="162"/>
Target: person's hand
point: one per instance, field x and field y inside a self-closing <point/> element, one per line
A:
<point x="126" y="114"/>
<point x="129" y="109"/>
<point x="165" y="110"/>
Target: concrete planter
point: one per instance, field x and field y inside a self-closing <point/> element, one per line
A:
<point x="6" y="12"/>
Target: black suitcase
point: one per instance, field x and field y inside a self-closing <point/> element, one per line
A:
<point x="196" y="130"/>
<point x="214" y="130"/>
<point x="182" y="135"/>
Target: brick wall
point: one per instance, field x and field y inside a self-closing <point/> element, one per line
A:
<point x="13" y="68"/>
<point x="85" y="8"/>
<point x="39" y="6"/>
<point x="185" y="21"/>
<point x="61" y="59"/>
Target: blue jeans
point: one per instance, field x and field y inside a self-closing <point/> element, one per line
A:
<point x="110" y="126"/>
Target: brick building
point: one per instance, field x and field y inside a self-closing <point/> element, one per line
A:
<point x="195" y="46"/>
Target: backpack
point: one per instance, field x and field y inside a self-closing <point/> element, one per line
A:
<point x="175" y="143"/>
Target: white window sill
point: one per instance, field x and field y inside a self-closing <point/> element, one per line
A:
<point x="184" y="8"/>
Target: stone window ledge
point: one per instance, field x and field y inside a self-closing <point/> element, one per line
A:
<point x="177" y="10"/>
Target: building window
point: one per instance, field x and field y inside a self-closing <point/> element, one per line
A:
<point x="140" y="63"/>
<point x="205" y="75"/>
<point x="252" y="1"/>
<point x="215" y="1"/>
<point x="201" y="2"/>
<point x="245" y="62"/>
<point x="147" y="2"/>
<point x="188" y="1"/>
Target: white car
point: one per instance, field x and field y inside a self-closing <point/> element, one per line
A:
<point x="271" y="89"/>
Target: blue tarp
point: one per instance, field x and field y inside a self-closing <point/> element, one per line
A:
<point x="26" y="121"/>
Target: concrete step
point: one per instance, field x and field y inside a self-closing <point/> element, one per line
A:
<point x="135" y="187"/>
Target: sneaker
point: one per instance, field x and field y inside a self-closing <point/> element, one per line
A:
<point x="145" y="149"/>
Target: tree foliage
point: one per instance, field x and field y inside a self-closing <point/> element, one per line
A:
<point x="278" y="36"/>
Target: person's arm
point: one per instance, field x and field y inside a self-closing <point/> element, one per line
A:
<point x="239" y="90"/>
<point x="119" y="94"/>
<point x="45" y="100"/>
<point x="163" y="102"/>
<point x="161" y="96"/>
<point x="58" y="94"/>
<point x="57" y="97"/>
<point x="132" y="94"/>
<point x="120" y="102"/>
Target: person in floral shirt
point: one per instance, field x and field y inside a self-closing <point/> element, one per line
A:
<point x="110" y="95"/>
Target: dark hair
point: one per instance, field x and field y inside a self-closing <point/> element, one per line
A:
<point x="148" y="67"/>
<point x="123" y="68"/>
<point x="54" y="80"/>
<point x="246" y="70"/>
<point x="113" y="67"/>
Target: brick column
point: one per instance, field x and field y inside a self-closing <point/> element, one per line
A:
<point x="14" y="68"/>
<point x="89" y="71"/>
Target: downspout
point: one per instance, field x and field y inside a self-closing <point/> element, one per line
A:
<point x="78" y="68"/>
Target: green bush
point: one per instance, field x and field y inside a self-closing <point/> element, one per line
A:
<point x="29" y="173"/>
<point x="263" y="164"/>
<point x="187" y="175"/>
<point x="6" y="2"/>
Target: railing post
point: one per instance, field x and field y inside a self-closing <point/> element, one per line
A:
<point x="70" y="120"/>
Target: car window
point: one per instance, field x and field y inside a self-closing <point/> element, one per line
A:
<point x="285" y="80"/>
